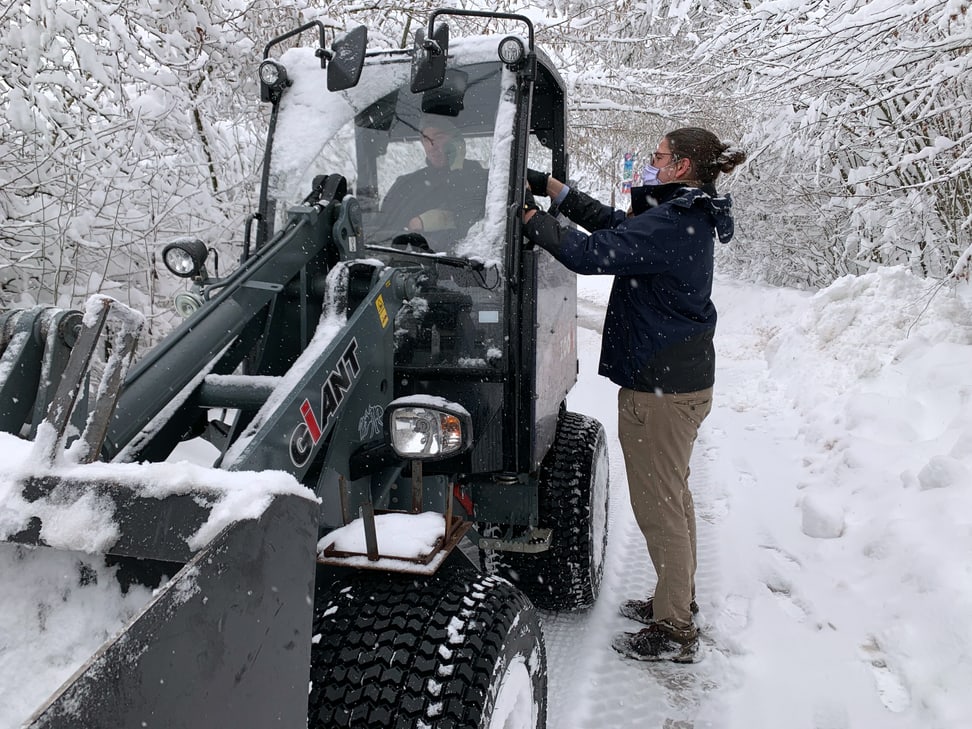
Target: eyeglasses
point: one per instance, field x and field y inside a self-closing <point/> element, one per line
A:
<point x="656" y="155"/>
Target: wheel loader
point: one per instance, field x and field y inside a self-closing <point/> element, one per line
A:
<point x="402" y="489"/>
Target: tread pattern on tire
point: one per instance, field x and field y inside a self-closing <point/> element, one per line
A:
<point x="397" y="651"/>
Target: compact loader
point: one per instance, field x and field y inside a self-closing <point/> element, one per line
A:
<point x="395" y="376"/>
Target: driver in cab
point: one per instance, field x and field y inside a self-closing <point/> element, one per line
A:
<point x="448" y="194"/>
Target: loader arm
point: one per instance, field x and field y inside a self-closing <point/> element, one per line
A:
<point x="215" y="338"/>
<point x="347" y="368"/>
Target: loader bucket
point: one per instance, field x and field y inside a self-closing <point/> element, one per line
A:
<point x="225" y="639"/>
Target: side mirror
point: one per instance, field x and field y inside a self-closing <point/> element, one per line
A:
<point x="429" y="61"/>
<point x="347" y="59"/>
<point x="447" y="99"/>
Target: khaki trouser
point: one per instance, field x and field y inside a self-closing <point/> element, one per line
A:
<point x="657" y="433"/>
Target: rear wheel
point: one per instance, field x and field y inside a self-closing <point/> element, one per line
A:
<point x="573" y="502"/>
<point x="455" y="650"/>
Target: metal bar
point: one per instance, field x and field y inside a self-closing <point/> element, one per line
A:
<point x="371" y="533"/>
<point x="343" y="491"/>
<point x="481" y="14"/>
<point x="416" y="487"/>
<point x="236" y="391"/>
<point x="448" y="514"/>
<point x="19" y="367"/>
<point x="59" y="328"/>
<point x="62" y="406"/>
<point x="122" y="351"/>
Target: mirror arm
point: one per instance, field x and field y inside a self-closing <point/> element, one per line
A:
<point x="481" y="14"/>
<point x="297" y="31"/>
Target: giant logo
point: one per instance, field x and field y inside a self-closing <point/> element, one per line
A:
<point x="316" y="424"/>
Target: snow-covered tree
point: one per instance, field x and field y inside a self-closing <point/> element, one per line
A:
<point x="862" y="136"/>
<point x="632" y="76"/>
<point x="125" y="125"/>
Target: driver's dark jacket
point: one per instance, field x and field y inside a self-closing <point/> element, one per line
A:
<point x="461" y="191"/>
<point x="660" y="318"/>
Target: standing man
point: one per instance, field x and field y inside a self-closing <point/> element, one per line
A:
<point x="657" y="346"/>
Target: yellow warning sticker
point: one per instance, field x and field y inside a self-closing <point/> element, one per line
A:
<point x="382" y="314"/>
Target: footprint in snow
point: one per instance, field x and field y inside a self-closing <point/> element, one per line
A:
<point x="891" y="687"/>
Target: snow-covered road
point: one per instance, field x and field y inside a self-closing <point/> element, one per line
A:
<point x="833" y="487"/>
<point x="749" y="442"/>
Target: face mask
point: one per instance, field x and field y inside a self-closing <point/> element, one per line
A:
<point x="649" y="175"/>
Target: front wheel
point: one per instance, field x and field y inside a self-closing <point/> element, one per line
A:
<point x="573" y="502"/>
<point x="454" y="650"/>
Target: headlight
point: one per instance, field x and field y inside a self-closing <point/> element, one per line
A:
<point x="185" y="257"/>
<point x="511" y="51"/>
<point x="426" y="430"/>
<point x="273" y="80"/>
<point x="271" y="72"/>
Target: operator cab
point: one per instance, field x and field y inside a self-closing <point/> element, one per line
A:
<point x="422" y="158"/>
<point x="431" y="169"/>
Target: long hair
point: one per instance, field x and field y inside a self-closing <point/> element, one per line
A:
<point x="708" y="155"/>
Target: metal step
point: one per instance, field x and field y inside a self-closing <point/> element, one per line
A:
<point x="533" y="542"/>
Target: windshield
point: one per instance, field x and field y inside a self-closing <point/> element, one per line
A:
<point x="435" y="164"/>
<point x="427" y="163"/>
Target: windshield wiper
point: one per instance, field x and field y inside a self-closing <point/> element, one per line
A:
<point x="470" y="264"/>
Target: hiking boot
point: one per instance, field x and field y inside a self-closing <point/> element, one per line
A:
<point x="660" y="641"/>
<point x="641" y="610"/>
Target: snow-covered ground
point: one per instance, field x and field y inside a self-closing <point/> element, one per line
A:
<point x="833" y="484"/>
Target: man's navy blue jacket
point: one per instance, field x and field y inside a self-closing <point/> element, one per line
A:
<point x="660" y="318"/>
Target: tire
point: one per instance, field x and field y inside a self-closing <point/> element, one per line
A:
<point x="573" y="501"/>
<point x="455" y="650"/>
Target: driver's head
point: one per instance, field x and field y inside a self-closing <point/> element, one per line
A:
<point x="444" y="145"/>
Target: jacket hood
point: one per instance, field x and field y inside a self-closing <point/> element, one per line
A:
<point x="721" y="211"/>
<point x="719" y="207"/>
